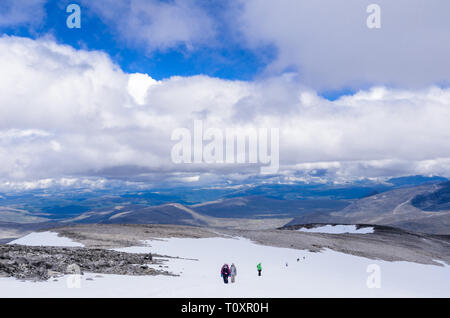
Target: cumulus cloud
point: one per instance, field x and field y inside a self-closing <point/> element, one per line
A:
<point x="156" y="25"/>
<point x="67" y="112"/>
<point x="328" y="43"/>
<point x="138" y="86"/>
<point x="15" y="13"/>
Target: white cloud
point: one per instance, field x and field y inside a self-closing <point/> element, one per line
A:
<point x="67" y="112"/>
<point x="328" y="43"/>
<point x="158" y="25"/>
<point x="88" y="183"/>
<point x="190" y="179"/>
<point x="138" y="86"/>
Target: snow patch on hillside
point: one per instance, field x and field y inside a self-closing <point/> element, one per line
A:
<point x="46" y="239"/>
<point x="338" y="229"/>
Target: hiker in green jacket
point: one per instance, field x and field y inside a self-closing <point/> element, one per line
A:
<point x="259" y="267"/>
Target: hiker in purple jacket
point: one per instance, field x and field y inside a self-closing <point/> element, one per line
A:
<point x="225" y="273"/>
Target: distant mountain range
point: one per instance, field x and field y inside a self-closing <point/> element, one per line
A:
<point x="438" y="200"/>
<point x="414" y="203"/>
<point x="399" y="207"/>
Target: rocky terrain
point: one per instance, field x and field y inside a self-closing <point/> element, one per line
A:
<point x="107" y="236"/>
<point x="42" y="263"/>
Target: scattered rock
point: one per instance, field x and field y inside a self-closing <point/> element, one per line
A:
<point x="40" y="263"/>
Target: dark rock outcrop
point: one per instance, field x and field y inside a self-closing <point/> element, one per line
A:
<point x="41" y="263"/>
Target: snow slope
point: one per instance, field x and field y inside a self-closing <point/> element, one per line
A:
<point x="338" y="229"/>
<point x="326" y="274"/>
<point x="46" y="239"/>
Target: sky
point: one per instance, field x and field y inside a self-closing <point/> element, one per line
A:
<point x="102" y="101"/>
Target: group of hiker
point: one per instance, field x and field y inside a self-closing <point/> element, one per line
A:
<point x="227" y="272"/>
<point x="231" y="271"/>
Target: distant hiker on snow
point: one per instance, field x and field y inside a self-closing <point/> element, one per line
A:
<point x="225" y="272"/>
<point x="233" y="272"/>
<point x="259" y="268"/>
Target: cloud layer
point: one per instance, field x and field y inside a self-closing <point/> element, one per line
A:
<point x="67" y="112"/>
<point x="156" y="25"/>
<point x="329" y="44"/>
<point x="326" y="43"/>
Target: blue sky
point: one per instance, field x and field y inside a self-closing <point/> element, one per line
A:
<point x="224" y="59"/>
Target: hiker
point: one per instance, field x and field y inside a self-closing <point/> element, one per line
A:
<point x="233" y="272"/>
<point x="259" y="267"/>
<point x="225" y="272"/>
